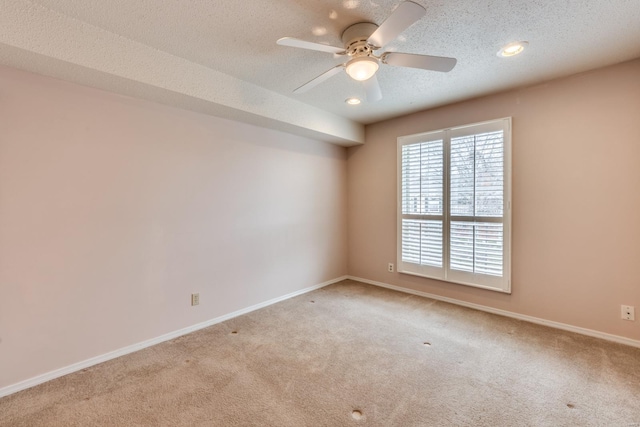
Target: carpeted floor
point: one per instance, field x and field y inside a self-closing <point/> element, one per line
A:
<point x="346" y="355"/>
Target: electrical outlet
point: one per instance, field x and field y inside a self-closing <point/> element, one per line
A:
<point x="390" y="268"/>
<point x="195" y="299"/>
<point x="628" y="312"/>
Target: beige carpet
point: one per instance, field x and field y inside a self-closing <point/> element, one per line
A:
<point x="315" y="359"/>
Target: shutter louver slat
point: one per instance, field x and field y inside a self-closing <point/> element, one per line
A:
<point x="422" y="182"/>
<point x="489" y="237"/>
<point x="489" y="174"/>
<point x="462" y="171"/>
<point x="461" y="246"/>
<point x="422" y="194"/>
<point x="477" y="190"/>
<point x="477" y="173"/>
<point x="477" y="247"/>
<point x="422" y="242"/>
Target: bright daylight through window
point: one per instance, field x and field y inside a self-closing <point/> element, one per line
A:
<point x="454" y="212"/>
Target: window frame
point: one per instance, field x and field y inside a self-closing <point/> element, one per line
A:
<point x="445" y="273"/>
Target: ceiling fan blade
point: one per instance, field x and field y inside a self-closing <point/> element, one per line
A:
<point x="303" y="44"/>
<point x="322" y="77"/>
<point x="425" y="62"/>
<point x="402" y="18"/>
<point x="372" y="89"/>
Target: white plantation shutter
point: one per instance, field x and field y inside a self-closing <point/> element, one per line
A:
<point x="454" y="207"/>
<point x="422" y="166"/>
<point x="422" y="242"/>
<point x="422" y="204"/>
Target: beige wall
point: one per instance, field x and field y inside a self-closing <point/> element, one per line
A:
<point x="576" y="199"/>
<point x="114" y="210"/>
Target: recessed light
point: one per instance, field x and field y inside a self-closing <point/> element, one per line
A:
<point x="319" y="31"/>
<point x="352" y="101"/>
<point x="512" y="49"/>
<point x="350" y="4"/>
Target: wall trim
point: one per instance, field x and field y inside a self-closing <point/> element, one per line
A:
<point x="48" y="376"/>
<point x="557" y="325"/>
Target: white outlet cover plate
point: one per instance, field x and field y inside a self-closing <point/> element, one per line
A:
<point x="628" y="312"/>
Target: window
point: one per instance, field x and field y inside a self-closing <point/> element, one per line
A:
<point x="454" y="210"/>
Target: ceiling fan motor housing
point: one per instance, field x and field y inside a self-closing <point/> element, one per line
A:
<point x="355" y="39"/>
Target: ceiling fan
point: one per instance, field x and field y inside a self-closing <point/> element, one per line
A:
<point x="360" y="43"/>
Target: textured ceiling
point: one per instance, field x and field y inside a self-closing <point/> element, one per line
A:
<point x="220" y="57"/>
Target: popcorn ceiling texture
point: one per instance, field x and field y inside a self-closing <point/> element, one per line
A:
<point x="221" y="57"/>
<point x="351" y="354"/>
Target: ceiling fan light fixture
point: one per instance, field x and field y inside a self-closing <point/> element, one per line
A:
<point x="362" y="68"/>
<point x="512" y="49"/>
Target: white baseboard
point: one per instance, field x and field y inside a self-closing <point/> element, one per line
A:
<point x="539" y="321"/>
<point x="22" y="385"/>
